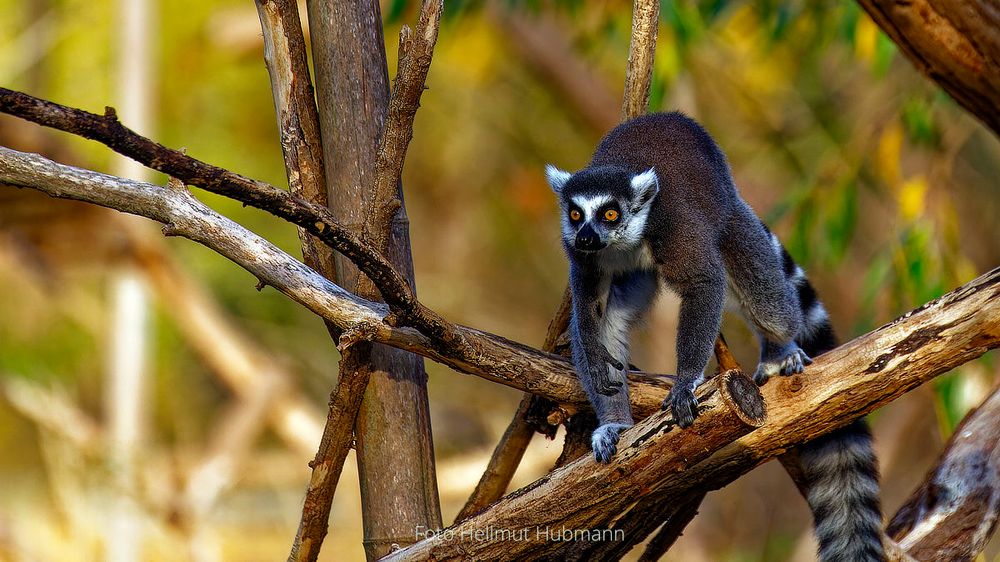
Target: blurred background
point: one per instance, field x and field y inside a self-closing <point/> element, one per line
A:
<point x="149" y="393"/>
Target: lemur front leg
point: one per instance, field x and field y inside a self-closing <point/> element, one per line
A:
<point x="628" y="300"/>
<point x="600" y="349"/>
<point x="702" y="299"/>
<point x="591" y="357"/>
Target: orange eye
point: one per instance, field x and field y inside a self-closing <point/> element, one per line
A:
<point x="574" y="215"/>
<point x="611" y="215"/>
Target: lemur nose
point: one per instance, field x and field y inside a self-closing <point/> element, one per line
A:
<point x="586" y="242"/>
<point x="587" y="239"/>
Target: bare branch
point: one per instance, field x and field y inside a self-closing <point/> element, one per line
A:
<point x="415" y="53"/>
<point x="503" y="463"/>
<point x="316" y="219"/>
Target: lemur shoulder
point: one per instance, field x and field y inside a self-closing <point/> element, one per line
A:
<point x="657" y="205"/>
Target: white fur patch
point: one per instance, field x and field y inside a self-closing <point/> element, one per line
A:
<point x="615" y="332"/>
<point x="798" y="276"/>
<point x="557" y="178"/>
<point x="776" y="244"/>
<point x="645" y="184"/>
<point x="615" y="260"/>
<point x="816" y="316"/>
<point x="589" y="205"/>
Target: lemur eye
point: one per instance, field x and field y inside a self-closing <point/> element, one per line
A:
<point x="611" y="215"/>
<point x="574" y="215"/>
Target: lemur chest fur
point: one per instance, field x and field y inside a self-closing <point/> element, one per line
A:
<point x="614" y="261"/>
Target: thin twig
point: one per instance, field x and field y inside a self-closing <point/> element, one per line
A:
<point x="503" y="463"/>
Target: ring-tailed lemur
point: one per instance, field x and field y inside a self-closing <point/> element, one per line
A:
<point x="658" y="202"/>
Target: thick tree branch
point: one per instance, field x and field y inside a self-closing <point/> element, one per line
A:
<point x="839" y="387"/>
<point x="953" y="42"/>
<point x="953" y="514"/>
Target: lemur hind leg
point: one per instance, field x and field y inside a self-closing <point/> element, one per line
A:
<point x="761" y="276"/>
<point x="628" y="300"/>
<point x="778" y="359"/>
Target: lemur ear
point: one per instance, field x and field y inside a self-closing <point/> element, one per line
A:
<point x="645" y="186"/>
<point x="557" y="178"/>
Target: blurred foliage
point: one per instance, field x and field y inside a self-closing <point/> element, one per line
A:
<point x="878" y="183"/>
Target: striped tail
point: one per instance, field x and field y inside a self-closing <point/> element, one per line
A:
<point x="840" y="468"/>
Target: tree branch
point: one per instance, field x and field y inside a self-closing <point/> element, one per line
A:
<point x="315" y="219"/>
<point x="639" y="72"/>
<point x="493" y="357"/>
<point x="953" y="42"/>
<point x="503" y="463"/>
<point x="883" y="365"/>
<point x="953" y="514"/>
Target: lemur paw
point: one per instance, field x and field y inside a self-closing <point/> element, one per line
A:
<point x="683" y="405"/>
<point x="603" y="383"/>
<point x="790" y="363"/>
<point x="604" y="441"/>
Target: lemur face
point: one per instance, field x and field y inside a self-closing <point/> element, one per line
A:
<point x="603" y="207"/>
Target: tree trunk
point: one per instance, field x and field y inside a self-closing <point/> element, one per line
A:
<point x="395" y="455"/>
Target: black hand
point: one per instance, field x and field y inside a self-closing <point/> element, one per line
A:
<point x="599" y="373"/>
<point x="683" y="405"/>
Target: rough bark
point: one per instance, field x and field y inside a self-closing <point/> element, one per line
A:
<point x="392" y="427"/>
<point x="953" y="513"/>
<point x="953" y="42"/>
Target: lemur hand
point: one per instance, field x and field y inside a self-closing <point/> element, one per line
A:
<point x="603" y="383"/>
<point x="682" y="403"/>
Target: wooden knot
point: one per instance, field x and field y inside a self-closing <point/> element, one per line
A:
<point x="794" y="384"/>
<point x="362" y="331"/>
<point x="743" y="397"/>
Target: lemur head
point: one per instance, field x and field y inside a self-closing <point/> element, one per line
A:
<point x="603" y="207"/>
